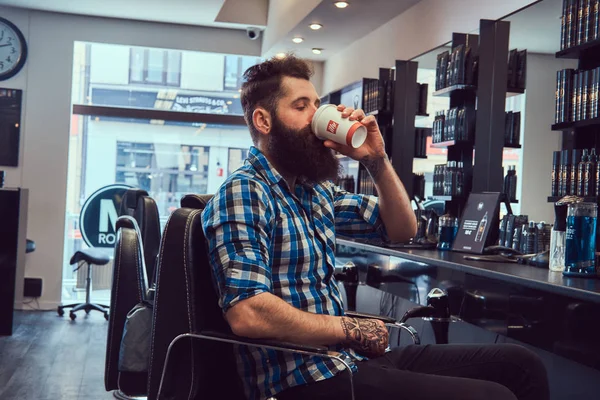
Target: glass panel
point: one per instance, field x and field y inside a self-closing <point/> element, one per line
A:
<point x="164" y="69"/>
<point x="236" y="159"/>
<point x="155" y="65"/>
<point x="136" y="71"/>
<point x="173" y="68"/>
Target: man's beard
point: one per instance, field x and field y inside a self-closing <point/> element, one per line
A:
<point x="301" y="153"/>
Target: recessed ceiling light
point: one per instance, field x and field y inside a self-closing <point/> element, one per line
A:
<point x="315" y="26"/>
<point x="280" y="55"/>
<point x="297" y="40"/>
<point x="341" y="4"/>
<point x="317" y="51"/>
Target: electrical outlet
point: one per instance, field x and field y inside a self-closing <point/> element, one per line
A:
<point x="33" y="287"/>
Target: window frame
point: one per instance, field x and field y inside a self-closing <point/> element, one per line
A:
<point x="164" y="72"/>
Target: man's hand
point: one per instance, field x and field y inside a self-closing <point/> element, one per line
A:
<point x="372" y="153"/>
<point x="367" y="336"/>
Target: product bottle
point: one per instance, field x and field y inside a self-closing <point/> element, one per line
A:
<point x="581" y="173"/>
<point x="590" y="174"/>
<point x="481" y="228"/>
<point x="575" y="155"/>
<point x="459" y="179"/>
<point x="507" y="182"/>
<point x="557" y="238"/>
<point x="513" y="184"/>
<point x="531" y="238"/>
<point x="555" y="172"/>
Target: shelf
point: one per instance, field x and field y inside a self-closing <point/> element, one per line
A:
<point x="512" y="146"/>
<point x="450" y="89"/>
<point x="446" y="198"/>
<point x="575" y="52"/>
<point x="511" y="92"/>
<point x="422" y="116"/>
<point x="443" y="145"/>
<point x="421" y="157"/>
<point x="567" y="126"/>
<point x="592" y="199"/>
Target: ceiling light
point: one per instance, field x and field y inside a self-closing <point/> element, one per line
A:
<point x="315" y="26"/>
<point x="317" y="51"/>
<point x="297" y="40"/>
<point x="341" y="4"/>
<point x="280" y="55"/>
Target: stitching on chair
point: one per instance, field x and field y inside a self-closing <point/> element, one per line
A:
<point x="112" y="316"/>
<point x="156" y="302"/>
<point x="190" y="217"/>
<point x="137" y="266"/>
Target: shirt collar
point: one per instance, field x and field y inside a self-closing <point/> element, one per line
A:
<point x="262" y="165"/>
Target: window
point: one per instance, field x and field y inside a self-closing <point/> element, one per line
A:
<point x="235" y="66"/>
<point x="236" y="159"/>
<point x="155" y="66"/>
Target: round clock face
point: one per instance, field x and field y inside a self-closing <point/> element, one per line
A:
<point x="12" y="49"/>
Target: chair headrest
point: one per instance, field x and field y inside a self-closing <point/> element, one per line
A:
<point x="126" y="221"/>
<point x="130" y="199"/>
<point x="195" y="201"/>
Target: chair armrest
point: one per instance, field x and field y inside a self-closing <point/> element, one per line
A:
<point x="266" y="342"/>
<point x="384" y="319"/>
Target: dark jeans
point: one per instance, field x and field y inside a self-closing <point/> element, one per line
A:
<point x="438" y="372"/>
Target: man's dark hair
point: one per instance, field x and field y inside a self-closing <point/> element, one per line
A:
<point x="262" y="86"/>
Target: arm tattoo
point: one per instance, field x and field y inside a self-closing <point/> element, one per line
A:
<point x="366" y="334"/>
<point x="373" y="166"/>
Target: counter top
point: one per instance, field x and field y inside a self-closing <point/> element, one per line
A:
<point x="535" y="278"/>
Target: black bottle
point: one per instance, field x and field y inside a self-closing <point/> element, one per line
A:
<point x="581" y="173"/>
<point x="507" y="182"/>
<point x="459" y="179"/>
<point x="573" y="171"/>
<point x="590" y="173"/>
<point x="531" y="238"/>
<point x="555" y="171"/>
<point x="513" y="184"/>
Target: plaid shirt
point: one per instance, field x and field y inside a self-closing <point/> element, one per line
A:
<point x="264" y="238"/>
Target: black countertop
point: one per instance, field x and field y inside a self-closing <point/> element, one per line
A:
<point x="536" y="278"/>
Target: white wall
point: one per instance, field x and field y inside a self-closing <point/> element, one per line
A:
<point x="538" y="140"/>
<point x="426" y="25"/>
<point x="46" y="81"/>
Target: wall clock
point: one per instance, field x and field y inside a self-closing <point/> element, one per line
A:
<point x="13" y="49"/>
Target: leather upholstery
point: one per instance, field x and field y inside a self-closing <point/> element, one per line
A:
<point x="139" y="205"/>
<point x="129" y="287"/>
<point x="90" y="256"/>
<point x="197" y="201"/>
<point x="186" y="302"/>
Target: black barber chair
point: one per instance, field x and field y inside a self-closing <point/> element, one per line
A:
<point x="137" y="204"/>
<point x="87" y="257"/>
<point x="129" y="288"/>
<point x="192" y="348"/>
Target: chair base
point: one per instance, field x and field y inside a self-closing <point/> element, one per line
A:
<point x="87" y="307"/>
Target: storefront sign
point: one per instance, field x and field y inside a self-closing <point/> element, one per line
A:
<point x="98" y="218"/>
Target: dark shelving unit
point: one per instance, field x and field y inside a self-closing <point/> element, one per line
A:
<point x="443" y="145"/>
<point x="512" y="146"/>
<point x="581" y="51"/>
<point x="588" y="199"/>
<point x="447" y="92"/>
<point x="569" y="126"/>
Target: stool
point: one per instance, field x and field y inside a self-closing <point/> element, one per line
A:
<point x="89" y="257"/>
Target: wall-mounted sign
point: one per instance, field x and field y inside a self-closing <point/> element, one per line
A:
<point x="99" y="214"/>
<point x="479" y="218"/>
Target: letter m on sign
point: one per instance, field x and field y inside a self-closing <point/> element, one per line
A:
<point x="108" y="213"/>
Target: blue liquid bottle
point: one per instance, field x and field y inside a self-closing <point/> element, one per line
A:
<point x="580" y="246"/>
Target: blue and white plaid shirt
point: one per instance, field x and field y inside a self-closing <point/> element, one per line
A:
<point x="264" y="238"/>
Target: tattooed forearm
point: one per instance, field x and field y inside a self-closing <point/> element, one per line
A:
<point x="374" y="166"/>
<point x="368" y="336"/>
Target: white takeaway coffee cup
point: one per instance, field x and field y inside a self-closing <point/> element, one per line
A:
<point x="328" y="123"/>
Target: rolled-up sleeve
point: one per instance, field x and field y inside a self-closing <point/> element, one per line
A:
<point x="237" y="224"/>
<point x="357" y="215"/>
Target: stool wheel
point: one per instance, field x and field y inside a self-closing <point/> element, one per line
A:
<point x="87" y="310"/>
<point x="60" y="312"/>
<point x="106" y="315"/>
<point x="72" y="316"/>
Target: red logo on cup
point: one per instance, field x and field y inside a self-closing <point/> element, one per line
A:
<point x="332" y="127"/>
